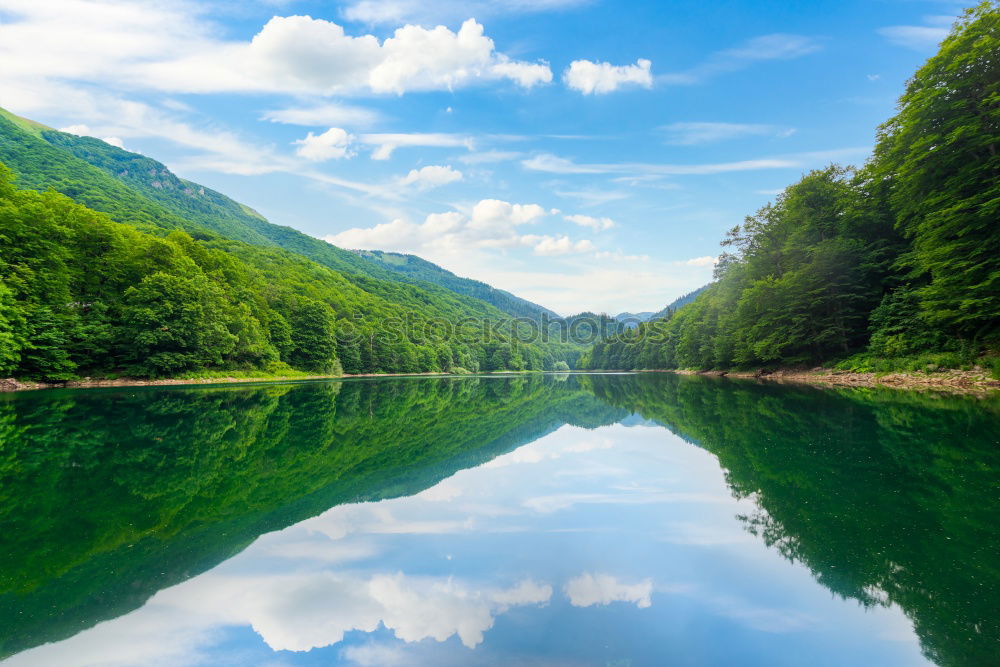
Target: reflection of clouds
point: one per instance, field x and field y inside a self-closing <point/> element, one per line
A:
<point x="379" y="519"/>
<point x="764" y="619"/>
<point x="292" y="612"/>
<point x="590" y="589"/>
<point x="702" y="535"/>
<point x="561" y="501"/>
<point x="552" y="449"/>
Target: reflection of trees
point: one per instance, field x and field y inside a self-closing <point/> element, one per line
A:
<point x="888" y="497"/>
<point x="108" y="496"/>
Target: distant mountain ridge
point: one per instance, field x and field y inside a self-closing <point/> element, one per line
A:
<point x="631" y="319"/>
<point x="420" y="269"/>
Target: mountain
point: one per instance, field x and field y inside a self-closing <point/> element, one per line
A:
<point x="413" y="267"/>
<point x="214" y="211"/>
<point x="644" y="316"/>
<point x="632" y="319"/>
<point x="80" y="291"/>
<point x="678" y="302"/>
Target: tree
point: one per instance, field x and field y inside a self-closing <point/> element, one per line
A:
<point x="314" y="341"/>
<point x="173" y="324"/>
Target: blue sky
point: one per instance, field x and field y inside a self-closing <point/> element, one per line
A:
<point x="584" y="154"/>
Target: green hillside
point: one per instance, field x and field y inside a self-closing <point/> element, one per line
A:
<point x="893" y="266"/>
<point x="413" y="267"/>
<point x="188" y="281"/>
<point x="211" y="210"/>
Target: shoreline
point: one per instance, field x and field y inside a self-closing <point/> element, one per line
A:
<point x="12" y="385"/>
<point x="952" y="381"/>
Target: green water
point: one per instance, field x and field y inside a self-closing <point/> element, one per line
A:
<point x="587" y="519"/>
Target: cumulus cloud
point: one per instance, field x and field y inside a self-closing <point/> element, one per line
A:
<point x="597" y="224"/>
<point x="334" y="144"/>
<point x="492" y="223"/>
<point x="84" y="131"/>
<point x="602" y="589"/>
<point x="432" y="176"/>
<point x="560" y="245"/>
<point x="707" y="260"/>
<point x="170" y="47"/>
<point x="300" y="54"/>
<point x="598" y="78"/>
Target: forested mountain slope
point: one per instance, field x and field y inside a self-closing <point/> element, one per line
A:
<point x="178" y="200"/>
<point x="414" y="267"/>
<point x="896" y="263"/>
<point x="154" y="289"/>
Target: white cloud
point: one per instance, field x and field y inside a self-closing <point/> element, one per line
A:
<point x="598" y="78"/>
<point x="432" y="176"/>
<point x="559" y="165"/>
<point x="527" y="75"/>
<point x="446" y="237"/>
<point x="561" y="245"/>
<point x="588" y="589"/>
<point x="170" y="47"/>
<point x="300" y="54"/>
<point x="486" y="157"/>
<point x="916" y="37"/>
<point x="334" y="144"/>
<point x="777" y="46"/>
<point x="324" y="114"/>
<point x="707" y="260"/>
<point x="690" y="134"/>
<point x="597" y="224"/>
<point x="297" y="611"/>
<point x="386" y="144"/>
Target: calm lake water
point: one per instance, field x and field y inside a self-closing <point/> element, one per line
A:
<point x="540" y="520"/>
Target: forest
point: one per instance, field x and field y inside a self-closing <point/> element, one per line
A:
<point x="891" y="266"/>
<point x="112" y="266"/>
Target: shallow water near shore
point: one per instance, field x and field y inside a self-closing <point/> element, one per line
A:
<point x="606" y="519"/>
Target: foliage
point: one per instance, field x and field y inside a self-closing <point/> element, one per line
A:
<point x="893" y="262"/>
<point x="107" y="496"/>
<point x="70" y="271"/>
<point x="872" y="489"/>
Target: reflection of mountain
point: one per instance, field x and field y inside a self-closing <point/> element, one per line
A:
<point x="887" y="497"/>
<point x="109" y="496"/>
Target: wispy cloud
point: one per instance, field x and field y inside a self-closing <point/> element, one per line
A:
<point x="777" y="46"/>
<point x="386" y="144"/>
<point x="559" y="165"/>
<point x="690" y="134"/>
<point x="555" y="164"/>
<point x="325" y="115"/>
<point x="919" y="37"/>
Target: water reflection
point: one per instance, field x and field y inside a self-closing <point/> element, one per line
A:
<point x="606" y="539"/>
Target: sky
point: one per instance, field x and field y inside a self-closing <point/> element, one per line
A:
<point x="582" y="154"/>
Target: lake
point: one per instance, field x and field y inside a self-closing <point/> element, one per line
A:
<point x="604" y="519"/>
